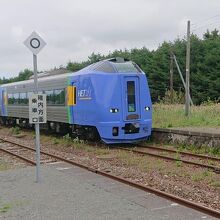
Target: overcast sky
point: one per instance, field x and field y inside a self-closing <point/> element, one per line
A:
<point x="73" y="29"/>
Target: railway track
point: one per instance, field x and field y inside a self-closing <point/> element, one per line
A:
<point x="201" y="156"/>
<point x="178" y="156"/>
<point x="188" y="203"/>
<point x="25" y="153"/>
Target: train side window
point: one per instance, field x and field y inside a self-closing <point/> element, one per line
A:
<point x="23" y="98"/>
<point x="16" y="98"/>
<point x="29" y="94"/>
<point x="59" y="96"/>
<point x="10" y="99"/>
<point x="50" y="97"/>
<point x="131" y="96"/>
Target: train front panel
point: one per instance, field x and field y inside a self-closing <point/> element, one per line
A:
<point x="129" y="112"/>
<point x="120" y="107"/>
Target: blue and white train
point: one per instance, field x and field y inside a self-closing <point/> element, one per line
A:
<point x="109" y="100"/>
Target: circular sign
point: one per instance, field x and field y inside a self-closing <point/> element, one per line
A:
<point x="35" y="43"/>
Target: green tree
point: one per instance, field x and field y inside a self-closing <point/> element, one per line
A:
<point x="204" y="66"/>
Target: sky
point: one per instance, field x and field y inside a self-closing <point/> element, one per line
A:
<point x="73" y="29"/>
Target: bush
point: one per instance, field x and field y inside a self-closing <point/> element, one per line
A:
<point x="178" y="97"/>
<point x="15" y="130"/>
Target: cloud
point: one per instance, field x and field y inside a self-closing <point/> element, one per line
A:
<point x="74" y="29"/>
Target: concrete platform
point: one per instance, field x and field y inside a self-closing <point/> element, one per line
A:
<point x="200" y="137"/>
<point x="201" y="130"/>
<point x="67" y="192"/>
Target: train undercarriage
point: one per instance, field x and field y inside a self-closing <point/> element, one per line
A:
<point x="89" y="133"/>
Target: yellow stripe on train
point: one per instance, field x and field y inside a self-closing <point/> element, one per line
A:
<point x="71" y="95"/>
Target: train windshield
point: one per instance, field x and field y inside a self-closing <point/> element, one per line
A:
<point x="116" y="67"/>
<point x="127" y="67"/>
<point x="131" y="96"/>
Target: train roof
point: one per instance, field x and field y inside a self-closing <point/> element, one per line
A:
<point x="39" y="80"/>
<point x="114" y="65"/>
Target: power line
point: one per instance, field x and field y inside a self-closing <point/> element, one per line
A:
<point x="205" y="25"/>
<point x="205" y="20"/>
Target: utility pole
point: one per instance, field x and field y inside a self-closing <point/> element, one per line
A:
<point x="171" y="78"/>
<point x="181" y="76"/>
<point x="187" y="102"/>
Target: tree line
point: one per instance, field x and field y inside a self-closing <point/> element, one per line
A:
<point x="204" y="68"/>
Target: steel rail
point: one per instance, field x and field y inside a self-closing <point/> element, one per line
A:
<point x="214" y="168"/>
<point x="187" y="203"/>
<point x="19" y="156"/>
<point x="181" y="152"/>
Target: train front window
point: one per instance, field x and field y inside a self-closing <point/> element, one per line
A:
<point x="131" y="96"/>
<point x="127" y="67"/>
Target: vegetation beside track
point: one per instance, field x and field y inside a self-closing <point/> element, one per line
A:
<point x="170" y="116"/>
<point x="3" y="165"/>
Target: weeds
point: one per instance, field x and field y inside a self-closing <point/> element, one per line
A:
<point x="67" y="140"/>
<point x="3" y="166"/>
<point x="178" y="162"/>
<point x="216" y="184"/>
<point x="5" y="207"/>
<point x="202" y="176"/>
<point x="215" y="151"/>
<point x="56" y="141"/>
<point x="142" y="163"/>
<point x="102" y="151"/>
<point x="15" y="130"/>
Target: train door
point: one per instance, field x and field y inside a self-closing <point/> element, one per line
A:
<point x="71" y="101"/>
<point x="131" y="98"/>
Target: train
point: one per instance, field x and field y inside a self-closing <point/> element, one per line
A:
<point x="108" y="100"/>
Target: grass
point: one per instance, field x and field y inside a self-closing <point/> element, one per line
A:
<point x="15" y="130"/>
<point x="216" y="184"/>
<point x="178" y="163"/>
<point x="212" y="151"/>
<point x="203" y="175"/>
<point x="167" y="116"/>
<point x="76" y="143"/>
<point x="5" y="207"/>
<point x="132" y="160"/>
<point x="3" y="166"/>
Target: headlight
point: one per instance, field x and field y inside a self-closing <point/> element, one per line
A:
<point x="114" y="110"/>
<point x="147" y="108"/>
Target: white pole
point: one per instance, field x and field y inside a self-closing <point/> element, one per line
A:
<point x="37" y="127"/>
